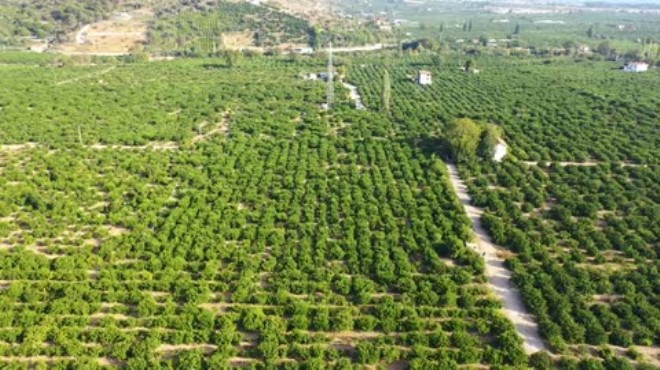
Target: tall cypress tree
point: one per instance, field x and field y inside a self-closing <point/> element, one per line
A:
<point x="387" y="91"/>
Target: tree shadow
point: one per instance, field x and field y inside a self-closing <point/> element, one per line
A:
<point x="430" y="146"/>
<point x="214" y="66"/>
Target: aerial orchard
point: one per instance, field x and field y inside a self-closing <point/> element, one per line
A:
<point x="275" y="235"/>
<point x="556" y="110"/>
<point x="574" y="201"/>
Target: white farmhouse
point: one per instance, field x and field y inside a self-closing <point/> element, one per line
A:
<point x="424" y="78"/>
<point x="636" y="67"/>
<point x="501" y="150"/>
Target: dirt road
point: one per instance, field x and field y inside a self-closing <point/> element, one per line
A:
<point x="355" y="49"/>
<point x="89" y="75"/>
<point x="355" y="96"/>
<point x="82" y="34"/>
<point x="582" y="164"/>
<point x="498" y="275"/>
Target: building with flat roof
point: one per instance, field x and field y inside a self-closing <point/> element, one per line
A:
<point x="636" y="67"/>
<point x="424" y="78"/>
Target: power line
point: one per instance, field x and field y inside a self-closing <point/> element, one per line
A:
<point x="331" y="78"/>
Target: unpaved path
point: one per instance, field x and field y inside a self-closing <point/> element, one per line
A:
<point x="155" y="145"/>
<point x="89" y="75"/>
<point x="498" y="275"/>
<point x="355" y="96"/>
<point x="118" y="35"/>
<point x="583" y="164"/>
<point x="355" y="49"/>
<point x="179" y="347"/>
<point x="17" y="147"/>
<point x="221" y="127"/>
<point x="80" y="36"/>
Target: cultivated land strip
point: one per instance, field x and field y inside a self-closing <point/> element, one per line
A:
<point x="582" y="164"/>
<point x="356" y="49"/>
<point x="498" y="275"/>
<point x="89" y="75"/>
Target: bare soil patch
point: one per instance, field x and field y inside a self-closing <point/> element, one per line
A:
<point x="121" y="34"/>
<point x="606" y="298"/>
<point x="589" y="163"/>
<point x="33" y="359"/>
<point x="237" y="40"/>
<point x="17" y="147"/>
<point x="313" y="10"/>
<point x="155" y="145"/>
<point x="116" y="230"/>
<point x="89" y="75"/>
<point x="221" y="127"/>
<point x="169" y="349"/>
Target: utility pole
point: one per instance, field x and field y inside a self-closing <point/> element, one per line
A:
<point x="331" y="78"/>
<point x="80" y="136"/>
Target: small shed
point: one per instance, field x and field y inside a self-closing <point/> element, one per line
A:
<point x="636" y="67"/>
<point x="424" y="78"/>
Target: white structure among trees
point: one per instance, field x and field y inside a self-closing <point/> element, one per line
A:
<point x="424" y="78"/>
<point x="636" y="67"/>
<point x="501" y="150"/>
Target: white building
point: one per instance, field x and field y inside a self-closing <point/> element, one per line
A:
<point x="304" y="51"/>
<point x="501" y="150"/>
<point x="424" y="78"/>
<point x="583" y="49"/>
<point x="310" y="76"/>
<point x="636" y="67"/>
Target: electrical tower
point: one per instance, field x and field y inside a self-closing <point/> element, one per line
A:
<point x="331" y="78"/>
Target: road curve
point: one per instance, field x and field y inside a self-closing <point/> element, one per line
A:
<point x="498" y="275"/>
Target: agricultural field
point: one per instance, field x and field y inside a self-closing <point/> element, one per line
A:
<point x="24" y="19"/>
<point x="629" y="26"/>
<point x="121" y="33"/>
<point x="584" y="249"/>
<point x="575" y="204"/>
<point x="219" y="217"/>
<point x="203" y="32"/>
<point x="550" y="109"/>
<point x="204" y="210"/>
<point x="171" y="28"/>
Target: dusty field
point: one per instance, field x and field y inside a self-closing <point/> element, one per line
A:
<point x="119" y="35"/>
<point x="244" y="40"/>
<point x="238" y="40"/>
<point x="313" y="10"/>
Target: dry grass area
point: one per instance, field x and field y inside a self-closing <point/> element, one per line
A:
<point x="35" y="359"/>
<point x="102" y="361"/>
<point x="155" y="145"/>
<point x="313" y="10"/>
<point x="221" y="127"/>
<point x="244" y="40"/>
<point x="649" y="355"/>
<point x="11" y="148"/>
<point x="607" y="298"/>
<point x="238" y="40"/>
<point x="116" y="230"/>
<point x="121" y="34"/>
